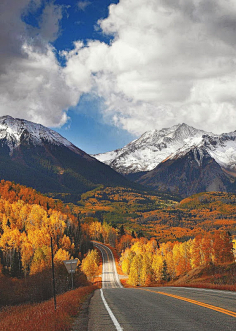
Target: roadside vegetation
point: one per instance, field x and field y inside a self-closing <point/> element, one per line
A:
<point x="28" y="223"/>
<point x="146" y="262"/>
<point x="156" y="240"/>
<point x="42" y="316"/>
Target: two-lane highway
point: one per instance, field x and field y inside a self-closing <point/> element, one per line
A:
<point x="160" y="308"/>
<point x="110" y="278"/>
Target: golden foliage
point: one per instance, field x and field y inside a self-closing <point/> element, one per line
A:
<point x="90" y="265"/>
<point x="145" y="261"/>
<point x="27" y="229"/>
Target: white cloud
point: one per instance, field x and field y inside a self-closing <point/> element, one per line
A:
<point x="169" y="62"/>
<point x="32" y="83"/>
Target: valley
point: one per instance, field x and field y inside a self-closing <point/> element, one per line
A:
<point x="174" y="224"/>
<point x="163" y="217"/>
<point x="117" y="165"/>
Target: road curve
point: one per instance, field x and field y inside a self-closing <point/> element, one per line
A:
<point x="110" y="278"/>
<point x="161" y="308"/>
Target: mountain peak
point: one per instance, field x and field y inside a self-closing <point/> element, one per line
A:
<point x="14" y="131"/>
<point x="36" y="156"/>
<point x="153" y="147"/>
<point x="183" y="125"/>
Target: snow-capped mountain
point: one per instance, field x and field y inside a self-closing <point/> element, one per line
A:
<point x="14" y="131"/>
<point x="189" y="172"/>
<point x="35" y="156"/>
<point x="180" y="159"/>
<point x="154" y="147"/>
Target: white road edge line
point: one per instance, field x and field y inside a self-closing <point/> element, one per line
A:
<point x="103" y="267"/>
<point x="116" y="273"/>
<point x="114" y="265"/>
<point x="114" y="320"/>
<point x="103" y="281"/>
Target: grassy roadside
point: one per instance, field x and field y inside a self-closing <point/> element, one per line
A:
<point x="42" y="316"/>
<point x="220" y="277"/>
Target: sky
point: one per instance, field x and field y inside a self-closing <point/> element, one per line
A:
<point x="102" y="72"/>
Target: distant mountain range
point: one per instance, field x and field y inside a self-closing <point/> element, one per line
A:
<point x="35" y="156"/>
<point x="180" y="159"/>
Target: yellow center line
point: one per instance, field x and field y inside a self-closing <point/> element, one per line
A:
<point x="199" y="303"/>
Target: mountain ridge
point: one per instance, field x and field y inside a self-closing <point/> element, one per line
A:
<point x="181" y="159"/>
<point x="33" y="155"/>
<point x="153" y="147"/>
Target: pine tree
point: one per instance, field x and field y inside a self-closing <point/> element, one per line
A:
<point x="164" y="273"/>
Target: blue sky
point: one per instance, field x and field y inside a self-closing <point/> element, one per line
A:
<point x="85" y="126"/>
<point x="102" y="72"/>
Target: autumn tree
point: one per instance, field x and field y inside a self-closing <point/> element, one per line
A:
<point x="90" y="264"/>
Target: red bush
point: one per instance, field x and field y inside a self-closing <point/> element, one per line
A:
<point x="42" y="316"/>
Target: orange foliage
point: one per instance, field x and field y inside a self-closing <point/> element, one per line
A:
<point x="42" y="316"/>
<point x="145" y="261"/>
<point x="28" y="220"/>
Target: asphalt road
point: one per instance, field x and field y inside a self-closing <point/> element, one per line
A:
<point x="159" y="309"/>
<point x="110" y="278"/>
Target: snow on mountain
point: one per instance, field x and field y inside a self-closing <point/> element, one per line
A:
<point x="14" y="131"/>
<point x="35" y="156"/>
<point x="222" y="148"/>
<point x="153" y="147"/>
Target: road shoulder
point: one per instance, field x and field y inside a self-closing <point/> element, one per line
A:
<point x="81" y="322"/>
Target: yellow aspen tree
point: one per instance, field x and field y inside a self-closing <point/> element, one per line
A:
<point x="135" y="270"/>
<point x="179" y="258"/>
<point x="126" y="259"/>
<point x="90" y="265"/>
<point x="27" y="253"/>
<point x="41" y="259"/>
<point x="195" y="252"/>
<point x="146" y="269"/>
<point x="167" y="250"/>
<point x="61" y="255"/>
<point x="157" y="264"/>
<point x="206" y="250"/>
<point x="65" y="243"/>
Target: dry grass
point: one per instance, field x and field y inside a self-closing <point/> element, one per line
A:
<point x="37" y="288"/>
<point x="206" y="285"/>
<point x="219" y="277"/>
<point x="42" y="316"/>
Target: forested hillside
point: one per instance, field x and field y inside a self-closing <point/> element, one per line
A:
<point x="147" y="262"/>
<point x="28" y="221"/>
<point x="151" y="262"/>
<point x="159" y="215"/>
<point x="151" y="231"/>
